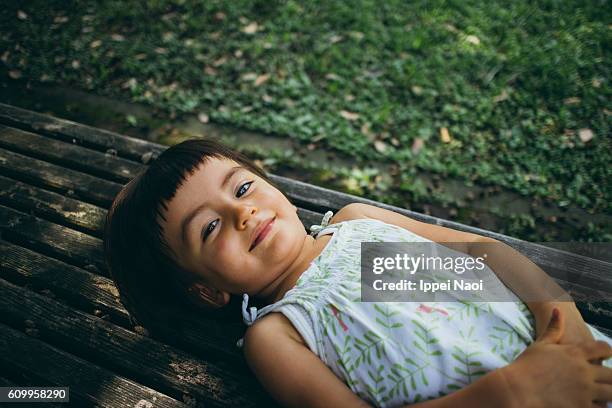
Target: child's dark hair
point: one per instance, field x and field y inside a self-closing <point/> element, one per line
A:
<point x="151" y="284"/>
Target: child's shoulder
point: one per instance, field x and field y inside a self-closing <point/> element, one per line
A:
<point x="271" y="329"/>
<point x="352" y="211"/>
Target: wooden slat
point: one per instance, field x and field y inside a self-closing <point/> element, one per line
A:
<point x="60" y="242"/>
<point x="75" y="286"/>
<point x="68" y="155"/>
<point x="55" y="207"/>
<point x="128" y="354"/>
<point x="87" y="292"/>
<point x="77" y="133"/>
<point x="89" y="384"/>
<point x="5" y="382"/>
<point x="72" y="183"/>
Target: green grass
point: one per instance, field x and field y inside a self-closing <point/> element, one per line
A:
<point x="513" y="82"/>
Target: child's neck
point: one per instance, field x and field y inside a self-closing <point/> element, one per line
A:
<point x="310" y="250"/>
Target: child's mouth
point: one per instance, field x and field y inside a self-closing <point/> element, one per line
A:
<point x="262" y="235"/>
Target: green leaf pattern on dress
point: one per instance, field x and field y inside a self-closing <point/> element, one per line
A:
<point x="392" y="353"/>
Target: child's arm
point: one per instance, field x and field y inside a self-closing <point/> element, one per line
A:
<point x="296" y="377"/>
<point x="546" y="374"/>
<point x="522" y="276"/>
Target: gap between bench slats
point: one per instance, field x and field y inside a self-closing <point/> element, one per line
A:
<point x="89" y="292"/>
<point x="89" y="384"/>
<point x="137" y="357"/>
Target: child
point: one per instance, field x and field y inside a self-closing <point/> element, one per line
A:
<point x="203" y="223"/>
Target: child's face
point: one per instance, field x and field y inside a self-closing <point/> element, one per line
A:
<point x="229" y="215"/>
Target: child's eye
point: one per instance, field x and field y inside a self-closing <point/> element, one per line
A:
<point x="208" y="230"/>
<point x="238" y="194"/>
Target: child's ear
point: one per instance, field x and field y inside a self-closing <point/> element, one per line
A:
<point x="203" y="295"/>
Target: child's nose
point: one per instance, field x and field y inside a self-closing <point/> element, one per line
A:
<point x="245" y="212"/>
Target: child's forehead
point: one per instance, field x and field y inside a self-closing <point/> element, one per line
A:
<point x="213" y="172"/>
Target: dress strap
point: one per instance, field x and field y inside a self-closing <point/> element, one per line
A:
<point x="249" y="315"/>
<point x="315" y="229"/>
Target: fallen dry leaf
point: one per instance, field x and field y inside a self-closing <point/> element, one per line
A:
<point x="117" y="37"/>
<point x="261" y="79"/>
<point x="417" y="90"/>
<point x="202" y="117"/>
<point x="501" y="97"/>
<point x="219" y="16"/>
<point x="596" y="83"/>
<point x="571" y="101"/>
<point x="210" y="71"/>
<point x="417" y="145"/>
<point x="267" y="98"/>
<point x="472" y="39"/>
<point x="332" y="77"/>
<point x="365" y="129"/>
<point x="238" y="53"/>
<point x="219" y="62"/>
<point x="380" y="146"/>
<point x="349" y="115"/>
<point x="249" y="76"/>
<point x="60" y="19"/>
<point x="585" y="135"/>
<point x="444" y="135"/>
<point x="15" y="74"/>
<point x="161" y="50"/>
<point x="251" y="28"/>
<point x="95" y="44"/>
<point x="21" y="15"/>
<point x="76" y="64"/>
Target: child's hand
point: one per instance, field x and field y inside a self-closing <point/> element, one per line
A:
<point x="575" y="330"/>
<point x="550" y="374"/>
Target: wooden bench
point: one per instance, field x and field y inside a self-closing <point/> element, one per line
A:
<point x="61" y="320"/>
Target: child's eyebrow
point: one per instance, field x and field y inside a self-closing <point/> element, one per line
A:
<point x="201" y="207"/>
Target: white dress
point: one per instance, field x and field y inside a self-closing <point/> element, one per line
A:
<point x="396" y="353"/>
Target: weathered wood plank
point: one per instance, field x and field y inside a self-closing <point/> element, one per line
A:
<point x="46" y="237"/>
<point x="89" y="384"/>
<point x="54" y="207"/>
<point x="87" y="291"/>
<point x="52" y="177"/>
<point x="144" y="360"/>
<point x="5" y="382"/>
<point x="77" y="133"/>
<point x="68" y="155"/>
